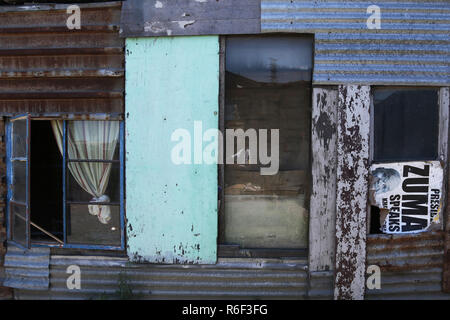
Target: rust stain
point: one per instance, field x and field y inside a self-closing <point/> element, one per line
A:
<point x="353" y="164"/>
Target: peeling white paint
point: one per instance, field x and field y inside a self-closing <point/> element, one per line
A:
<point x="322" y="223"/>
<point x="154" y="26"/>
<point x="352" y="191"/>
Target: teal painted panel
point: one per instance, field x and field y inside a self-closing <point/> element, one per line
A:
<point x="171" y="209"/>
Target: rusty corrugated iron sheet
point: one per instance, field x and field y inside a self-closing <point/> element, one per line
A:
<point x="45" y="67"/>
<point x="412" y="46"/>
<point x="411" y="265"/>
<point x="101" y="277"/>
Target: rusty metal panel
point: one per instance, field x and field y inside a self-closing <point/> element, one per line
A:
<point x="150" y="18"/>
<point x="412" y="45"/>
<point x="411" y="265"/>
<point x="47" y="68"/>
<point x="352" y="188"/>
<point x="101" y="277"/>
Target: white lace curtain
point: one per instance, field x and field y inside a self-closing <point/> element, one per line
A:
<point x="89" y="140"/>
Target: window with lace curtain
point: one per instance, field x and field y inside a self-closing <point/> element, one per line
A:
<point x="65" y="183"/>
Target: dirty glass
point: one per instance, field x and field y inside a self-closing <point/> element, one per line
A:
<point x="19" y="232"/>
<point x="93" y="140"/>
<point x="267" y="87"/>
<point x="85" y="227"/>
<point x="406" y="124"/>
<point x="19" y="138"/>
<point x="78" y="194"/>
<point x="19" y="181"/>
<point x="93" y="183"/>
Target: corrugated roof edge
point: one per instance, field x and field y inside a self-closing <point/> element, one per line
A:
<point x="55" y="7"/>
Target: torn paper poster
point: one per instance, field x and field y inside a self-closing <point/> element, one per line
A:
<point x="408" y="195"/>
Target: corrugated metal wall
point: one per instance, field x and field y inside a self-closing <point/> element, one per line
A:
<point x="411" y="265"/>
<point x="412" y="46"/>
<point x="27" y="269"/>
<point x="45" y="67"/>
<point x="229" y="279"/>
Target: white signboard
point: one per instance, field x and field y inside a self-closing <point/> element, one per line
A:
<point x="409" y="193"/>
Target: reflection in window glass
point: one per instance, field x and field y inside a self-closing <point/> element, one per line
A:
<point x="268" y="86"/>
<point x="19" y="143"/>
<point x="19" y="224"/>
<point x="19" y="180"/>
<point x="406" y="124"/>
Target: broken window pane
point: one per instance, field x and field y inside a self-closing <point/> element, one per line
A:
<point x="406" y="124"/>
<point x="268" y="87"/>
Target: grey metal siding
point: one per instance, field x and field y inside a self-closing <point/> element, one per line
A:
<point x="229" y="279"/>
<point x="411" y="48"/>
<point x="27" y="269"/>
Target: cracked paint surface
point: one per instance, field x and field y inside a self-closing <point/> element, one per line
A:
<point x="352" y="190"/>
<point x="171" y="209"/>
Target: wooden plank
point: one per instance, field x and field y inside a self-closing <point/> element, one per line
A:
<point x="323" y="197"/>
<point x="152" y="18"/>
<point x="352" y="190"/>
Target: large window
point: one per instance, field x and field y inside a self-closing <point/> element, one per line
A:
<point x="267" y="88"/>
<point x="65" y="183"/>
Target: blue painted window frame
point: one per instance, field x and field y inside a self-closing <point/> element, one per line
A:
<point x="66" y="245"/>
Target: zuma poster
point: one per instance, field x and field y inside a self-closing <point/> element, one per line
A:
<point x="408" y="194"/>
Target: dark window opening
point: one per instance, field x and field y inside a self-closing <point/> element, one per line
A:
<point x="375" y="223"/>
<point x="46" y="189"/>
<point x="406" y="124"/>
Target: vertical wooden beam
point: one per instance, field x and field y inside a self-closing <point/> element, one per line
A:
<point x="444" y="104"/>
<point x="322" y="226"/>
<point x="352" y="190"/>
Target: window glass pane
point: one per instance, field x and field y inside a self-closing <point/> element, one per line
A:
<point x="95" y="140"/>
<point x="268" y="87"/>
<point x="406" y="124"/>
<point x="85" y="227"/>
<point x="18" y="224"/>
<point x="19" y="181"/>
<point x="87" y="180"/>
<point x="19" y="138"/>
